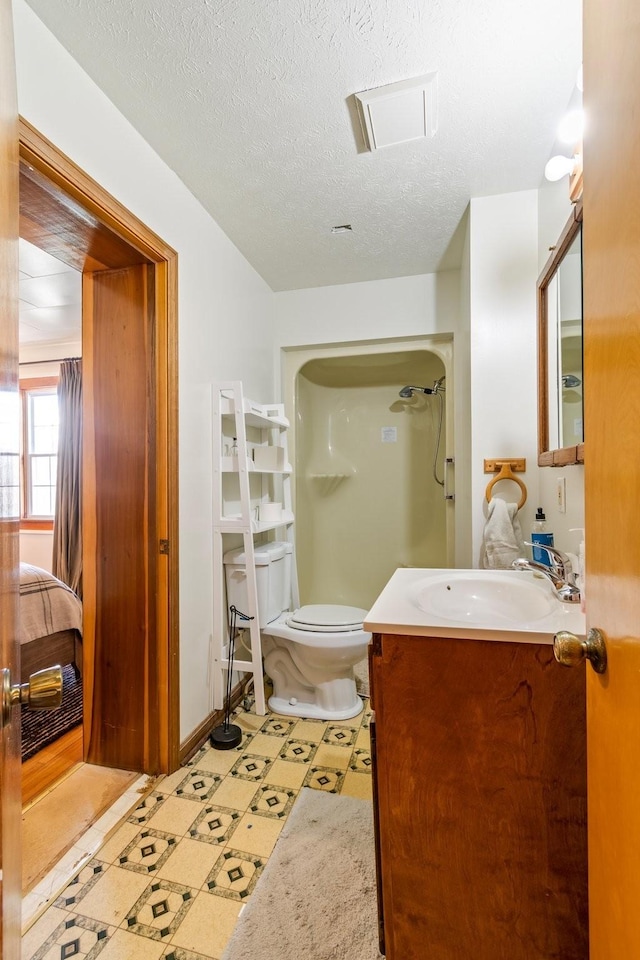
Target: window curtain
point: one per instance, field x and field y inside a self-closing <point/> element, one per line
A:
<point x="67" y="528"/>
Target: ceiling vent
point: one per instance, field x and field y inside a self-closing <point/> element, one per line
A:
<point x="398" y="112"/>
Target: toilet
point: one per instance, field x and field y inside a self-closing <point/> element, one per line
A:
<point x="309" y="653"/>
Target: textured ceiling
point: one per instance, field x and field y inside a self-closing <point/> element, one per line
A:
<point x="250" y="102"/>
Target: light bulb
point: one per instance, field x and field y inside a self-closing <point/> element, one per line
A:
<point x="559" y="167"/>
<point x="571" y="127"/>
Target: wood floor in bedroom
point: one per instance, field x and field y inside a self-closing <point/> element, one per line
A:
<point x="62" y="798"/>
<point x="50" y="764"/>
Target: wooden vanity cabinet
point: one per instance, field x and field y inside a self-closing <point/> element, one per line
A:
<point x="479" y="770"/>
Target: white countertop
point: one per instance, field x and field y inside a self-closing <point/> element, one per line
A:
<point x="397" y="610"/>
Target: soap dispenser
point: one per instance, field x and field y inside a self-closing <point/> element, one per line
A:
<point x="541" y="535"/>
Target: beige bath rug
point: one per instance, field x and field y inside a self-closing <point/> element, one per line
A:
<point x="316" y="899"/>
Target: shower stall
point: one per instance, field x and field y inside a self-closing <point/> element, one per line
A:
<point x="371" y="431"/>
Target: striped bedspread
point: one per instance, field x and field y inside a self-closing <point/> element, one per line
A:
<point x="47" y="605"/>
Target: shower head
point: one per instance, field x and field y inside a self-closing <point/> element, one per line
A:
<point x="407" y="392"/>
<point x="437" y="387"/>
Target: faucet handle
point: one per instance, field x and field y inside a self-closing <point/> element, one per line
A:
<point x="560" y="561"/>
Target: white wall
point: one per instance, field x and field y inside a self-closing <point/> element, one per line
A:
<point x="225" y="308"/>
<point x="36" y="548"/>
<point x="554" y="209"/>
<point x="503" y="272"/>
<point x="392" y="310"/>
<point x="370" y="310"/>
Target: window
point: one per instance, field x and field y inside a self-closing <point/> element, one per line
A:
<point x="39" y="449"/>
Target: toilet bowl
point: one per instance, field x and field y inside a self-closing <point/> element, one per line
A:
<point x="310" y="655"/>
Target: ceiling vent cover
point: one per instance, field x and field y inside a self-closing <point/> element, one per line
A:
<point x="398" y="112"/>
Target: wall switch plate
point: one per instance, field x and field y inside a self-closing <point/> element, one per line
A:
<point x="562" y="495"/>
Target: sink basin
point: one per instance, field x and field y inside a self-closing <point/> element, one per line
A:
<point x="485" y="598"/>
<point x="509" y="605"/>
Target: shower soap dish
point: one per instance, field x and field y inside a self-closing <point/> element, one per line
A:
<point x="328" y="482"/>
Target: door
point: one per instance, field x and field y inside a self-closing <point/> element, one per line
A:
<point x="120" y="530"/>
<point x="10" y="804"/>
<point x="612" y="467"/>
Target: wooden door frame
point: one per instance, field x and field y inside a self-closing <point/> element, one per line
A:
<point x="162" y="703"/>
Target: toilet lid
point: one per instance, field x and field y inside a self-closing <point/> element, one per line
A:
<point x="327" y="618"/>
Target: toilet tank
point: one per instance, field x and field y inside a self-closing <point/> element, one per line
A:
<point x="273" y="579"/>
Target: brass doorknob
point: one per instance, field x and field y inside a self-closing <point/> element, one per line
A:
<point x="42" y="691"/>
<point x="570" y="650"/>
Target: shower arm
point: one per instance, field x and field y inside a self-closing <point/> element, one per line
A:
<point x="406" y="393"/>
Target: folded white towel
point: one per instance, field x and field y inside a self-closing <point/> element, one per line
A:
<point x="502" y="541"/>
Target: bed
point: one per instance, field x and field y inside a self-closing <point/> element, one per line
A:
<point x="50" y="624"/>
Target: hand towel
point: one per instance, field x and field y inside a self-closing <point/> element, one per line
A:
<point x="502" y="541"/>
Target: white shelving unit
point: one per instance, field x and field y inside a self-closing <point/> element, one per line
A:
<point x="260" y="473"/>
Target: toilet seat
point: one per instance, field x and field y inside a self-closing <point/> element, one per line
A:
<point x="326" y="618"/>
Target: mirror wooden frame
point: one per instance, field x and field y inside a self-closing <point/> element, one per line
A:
<point x="564" y="455"/>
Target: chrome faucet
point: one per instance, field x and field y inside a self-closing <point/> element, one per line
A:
<point x="560" y="573"/>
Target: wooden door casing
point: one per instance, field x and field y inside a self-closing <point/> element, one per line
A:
<point x="611" y="257"/>
<point x="70" y="216"/>
<point x="10" y="805"/>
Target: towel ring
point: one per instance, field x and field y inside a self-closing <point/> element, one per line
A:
<point x="506" y="473"/>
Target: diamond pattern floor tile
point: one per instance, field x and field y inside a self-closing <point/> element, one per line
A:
<point x="75" y="937"/>
<point x="81" y="884"/>
<point x="234" y="875"/>
<point x="147" y="852"/>
<point x="160" y="910"/>
<point x="298" y="751"/>
<point x="272" y="802"/>
<point x="198" y="785"/>
<point x="214" y="825"/>
<point x="251" y="768"/>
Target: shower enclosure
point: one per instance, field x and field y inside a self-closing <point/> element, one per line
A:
<point x="369" y="468"/>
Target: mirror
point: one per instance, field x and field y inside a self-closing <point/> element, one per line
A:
<point x="560" y="370"/>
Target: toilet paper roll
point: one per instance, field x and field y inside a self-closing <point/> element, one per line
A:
<point x="268" y="512"/>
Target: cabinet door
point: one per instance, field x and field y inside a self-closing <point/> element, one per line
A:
<point x="481" y="789"/>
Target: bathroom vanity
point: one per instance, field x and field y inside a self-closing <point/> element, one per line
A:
<point x="478" y="744"/>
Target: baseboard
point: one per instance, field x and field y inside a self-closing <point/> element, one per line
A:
<point x="195" y="740"/>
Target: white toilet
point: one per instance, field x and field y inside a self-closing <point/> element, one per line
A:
<point x="308" y="653"/>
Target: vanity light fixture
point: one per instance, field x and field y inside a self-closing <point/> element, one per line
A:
<point x="558" y="167"/>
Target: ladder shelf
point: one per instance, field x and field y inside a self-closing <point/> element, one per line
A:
<point x="257" y="472"/>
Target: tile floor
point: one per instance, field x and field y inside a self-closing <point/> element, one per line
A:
<point x="172" y="879"/>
